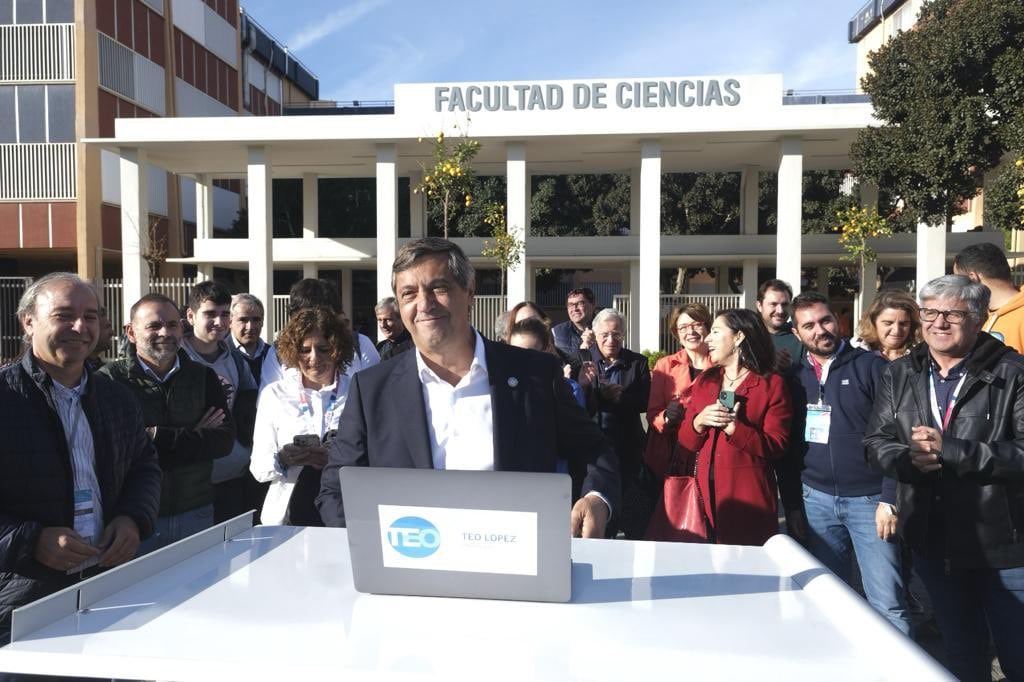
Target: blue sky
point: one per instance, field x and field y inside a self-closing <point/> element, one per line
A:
<point x="360" y="48"/>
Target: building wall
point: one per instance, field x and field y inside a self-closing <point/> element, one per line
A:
<point x="900" y="19"/>
<point x="78" y="65"/>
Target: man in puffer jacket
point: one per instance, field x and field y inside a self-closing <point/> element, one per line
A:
<point x="80" y="485"/>
<point x="948" y="423"/>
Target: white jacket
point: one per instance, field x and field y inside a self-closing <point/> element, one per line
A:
<point x="280" y="416"/>
<point x="365" y="355"/>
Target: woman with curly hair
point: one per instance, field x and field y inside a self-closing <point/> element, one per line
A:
<point x="890" y="326"/>
<point x="298" y="415"/>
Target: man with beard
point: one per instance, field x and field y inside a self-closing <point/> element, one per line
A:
<point x="773" y="300"/>
<point x="575" y="333"/>
<point x="849" y="507"/>
<point x="185" y="412"/>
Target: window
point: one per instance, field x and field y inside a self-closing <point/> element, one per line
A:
<point x="60" y="11"/>
<point x="61" y="112"/>
<point x="8" y="132"/>
<point x="31" y="118"/>
<point x="6" y="12"/>
<point x="28" y="11"/>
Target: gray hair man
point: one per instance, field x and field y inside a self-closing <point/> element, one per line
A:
<point x="396" y="338"/>
<point x="948" y="423"/>
<point x="81" y="483"/>
<point x="482" y="405"/>
<point x="247" y="316"/>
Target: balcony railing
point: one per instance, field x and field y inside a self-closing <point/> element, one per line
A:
<point x="37" y="171"/>
<point x="37" y="52"/>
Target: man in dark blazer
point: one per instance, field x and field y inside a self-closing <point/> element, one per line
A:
<point x="461" y="402"/>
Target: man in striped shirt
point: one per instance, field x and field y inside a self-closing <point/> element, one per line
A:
<point x="81" y="482"/>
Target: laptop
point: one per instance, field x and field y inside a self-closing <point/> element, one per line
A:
<point x="478" y="534"/>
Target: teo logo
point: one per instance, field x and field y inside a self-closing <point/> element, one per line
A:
<point x="414" y="537"/>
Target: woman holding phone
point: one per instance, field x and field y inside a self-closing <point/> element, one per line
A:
<point x="298" y="414"/>
<point x="738" y="422"/>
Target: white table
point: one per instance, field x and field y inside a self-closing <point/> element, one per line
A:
<point x="278" y="602"/>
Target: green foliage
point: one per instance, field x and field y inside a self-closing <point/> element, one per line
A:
<point x="468" y="221"/>
<point x="1004" y="205"/>
<point x="700" y="203"/>
<point x="448" y="181"/>
<point x="505" y="248"/>
<point x="653" y="356"/>
<point x="579" y="205"/>
<point x="950" y="95"/>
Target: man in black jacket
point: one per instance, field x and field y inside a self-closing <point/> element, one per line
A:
<point x="396" y="337"/>
<point x="185" y="412"/>
<point x="80" y="484"/>
<point x="948" y="423"/>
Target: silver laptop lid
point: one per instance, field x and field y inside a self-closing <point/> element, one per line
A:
<point x="482" y="534"/>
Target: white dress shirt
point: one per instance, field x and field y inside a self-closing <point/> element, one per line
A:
<point x="287" y="409"/>
<point x="459" y="417"/>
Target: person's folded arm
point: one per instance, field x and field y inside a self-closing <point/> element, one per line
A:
<point x="661" y="383"/>
<point x="18" y="539"/>
<point x="179" y="445"/>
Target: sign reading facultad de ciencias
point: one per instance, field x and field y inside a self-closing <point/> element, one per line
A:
<point x="626" y="94"/>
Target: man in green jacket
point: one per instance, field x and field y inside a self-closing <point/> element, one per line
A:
<point x="185" y="412"/>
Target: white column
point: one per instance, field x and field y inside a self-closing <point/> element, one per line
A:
<point x="931" y="253"/>
<point x="750" y="284"/>
<point x="632" y="328"/>
<point x="518" y="213"/>
<point x="261" y="260"/>
<point x="790" y="212"/>
<point x="310" y="217"/>
<point x="649" y="308"/>
<point x="134" y="226"/>
<point x="417" y="207"/>
<point x="387" y="215"/>
<point x="346" y="291"/>
<point x="204" y="220"/>
<point x="869" y="278"/>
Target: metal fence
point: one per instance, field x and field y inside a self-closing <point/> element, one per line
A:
<point x="666" y="338"/>
<point x="11" y="289"/>
<point x="484" y="314"/>
<point x="280" y="314"/>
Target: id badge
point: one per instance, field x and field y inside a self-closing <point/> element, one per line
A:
<point x="85" y="514"/>
<point x="819" y="418"/>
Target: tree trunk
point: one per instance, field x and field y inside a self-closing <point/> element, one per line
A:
<point x="680" y="287"/>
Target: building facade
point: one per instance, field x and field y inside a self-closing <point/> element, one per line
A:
<point x="68" y="69"/>
<point x="641" y="127"/>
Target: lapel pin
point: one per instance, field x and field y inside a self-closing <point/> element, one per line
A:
<point x="513" y="382"/>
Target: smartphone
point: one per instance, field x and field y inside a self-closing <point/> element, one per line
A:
<point x="727" y="399"/>
<point x="306" y="440"/>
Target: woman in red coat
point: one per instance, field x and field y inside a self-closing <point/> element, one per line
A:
<point x="736" y="446"/>
<point x="670" y="387"/>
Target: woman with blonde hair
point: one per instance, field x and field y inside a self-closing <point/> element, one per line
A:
<point x="891" y="326"/>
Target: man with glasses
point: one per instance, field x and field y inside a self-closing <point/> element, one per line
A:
<point x="575" y="333"/>
<point x="948" y="424"/>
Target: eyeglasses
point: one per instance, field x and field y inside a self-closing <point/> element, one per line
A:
<point x="951" y="316"/>
<point x="692" y="327"/>
<point x="616" y="336"/>
<point x="576" y="304"/>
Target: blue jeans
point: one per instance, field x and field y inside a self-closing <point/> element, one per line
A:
<point x="170" y="529"/>
<point x="840" y="528"/>
<point x="967" y="604"/>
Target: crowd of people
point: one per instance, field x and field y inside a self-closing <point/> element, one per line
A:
<point x="899" y="452"/>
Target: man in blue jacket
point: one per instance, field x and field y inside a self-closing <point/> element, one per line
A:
<point x="849" y="507"/>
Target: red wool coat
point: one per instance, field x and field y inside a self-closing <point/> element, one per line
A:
<point x="670" y="377"/>
<point x="745" y="491"/>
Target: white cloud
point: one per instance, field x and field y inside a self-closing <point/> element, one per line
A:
<point x="339" y="19"/>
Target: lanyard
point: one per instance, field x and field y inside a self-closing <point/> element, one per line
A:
<point x="821" y="372"/>
<point x="940" y="418"/>
<point x="306" y="408"/>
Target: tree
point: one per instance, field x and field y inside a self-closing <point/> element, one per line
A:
<point x="448" y="181"/>
<point x="505" y="248"/>
<point x="856" y="226"/>
<point x="949" y="94"/>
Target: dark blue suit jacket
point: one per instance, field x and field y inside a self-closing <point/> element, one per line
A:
<point x="536" y="422"/>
